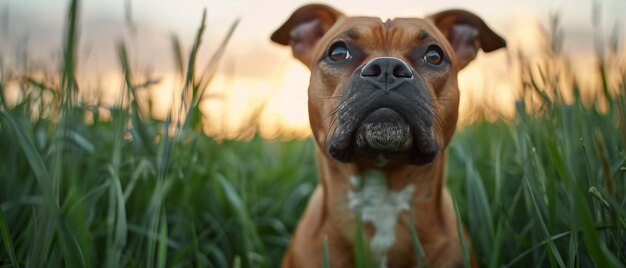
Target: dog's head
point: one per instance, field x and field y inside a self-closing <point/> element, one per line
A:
<point x="384" y="90"/>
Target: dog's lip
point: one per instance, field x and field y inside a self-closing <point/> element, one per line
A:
<point x="398" y="135"/>
<point x="423" y="146"/>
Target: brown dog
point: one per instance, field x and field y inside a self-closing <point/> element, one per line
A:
<point x="383" y="104"/>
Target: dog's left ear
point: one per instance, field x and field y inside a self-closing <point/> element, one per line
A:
<point x="467" y="33"/>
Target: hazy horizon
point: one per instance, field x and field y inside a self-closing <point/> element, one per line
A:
<point x="254" y="70"/>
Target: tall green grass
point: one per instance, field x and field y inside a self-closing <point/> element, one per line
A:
<point x="133" y="190"/>
<point x="548" y="189"/>
<point x="126" y="189"/>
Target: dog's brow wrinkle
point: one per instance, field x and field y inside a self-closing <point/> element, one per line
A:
<point x="423" y="34"/>
<point x="352" y="33"/>
<point x="387" y="24"/>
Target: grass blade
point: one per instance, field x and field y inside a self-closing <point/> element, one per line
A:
<point x="178" y="56"/>
<point x="461" y="234"/>
<point x="360" y="251"/>
<point x="72" y="252"/>
<point x="211" y="67"/>
<point x="141" y="129"/>
<point x="514" y="261"/>
<point x="597" y="251"/>
<point x="418" y="250"/>
<point x="162" y="253"/>
<point x="34" y="159"/>
<point x="544" y="229"/>
<point x="69" y="244"/>
<point x="237" y="205"/>
<point x="326" y="256"/>
<point x="7" y="240"/>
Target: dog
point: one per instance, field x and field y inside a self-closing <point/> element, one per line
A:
<point x="383" y="105"/>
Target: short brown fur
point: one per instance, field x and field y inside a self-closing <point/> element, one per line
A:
<point x="328" y="215"/>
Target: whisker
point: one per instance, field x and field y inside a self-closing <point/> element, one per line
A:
<point x="328" y="98"/>
<point x="333" y="118"/>
<point x="437" y="122"/>
<point x="333" y="111"/>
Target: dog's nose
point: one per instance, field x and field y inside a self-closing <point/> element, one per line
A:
<point x="386" y="70"/>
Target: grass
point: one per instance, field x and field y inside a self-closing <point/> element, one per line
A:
<point x="127" y="190"/>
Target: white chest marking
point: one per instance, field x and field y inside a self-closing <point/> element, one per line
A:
<point x="380" y="206"/>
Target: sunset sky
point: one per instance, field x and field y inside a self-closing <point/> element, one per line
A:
<point x="255" y="71"/>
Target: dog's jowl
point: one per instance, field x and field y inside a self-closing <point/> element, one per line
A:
<point x="383" y="105"/>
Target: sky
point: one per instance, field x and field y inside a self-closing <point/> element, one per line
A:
<point x="254" y="71"/>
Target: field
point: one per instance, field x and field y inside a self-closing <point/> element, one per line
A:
<point x="94" y="185"/>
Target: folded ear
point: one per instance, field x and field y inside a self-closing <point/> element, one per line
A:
<point x="467" y="33"/>
<point x="304" y="28"/>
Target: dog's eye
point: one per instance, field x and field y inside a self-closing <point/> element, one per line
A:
<point x="433" y="55"/>
<point x="338" y="52"/>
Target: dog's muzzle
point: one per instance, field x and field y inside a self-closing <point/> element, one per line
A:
<point x="384" y="129"/>
<point x="385" y="111"/>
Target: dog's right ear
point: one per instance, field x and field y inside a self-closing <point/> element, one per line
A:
<point x="467" y="33"/>
<point x="304" y="28"/>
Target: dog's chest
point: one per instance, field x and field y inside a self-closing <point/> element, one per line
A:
<point x="375" y="203"/>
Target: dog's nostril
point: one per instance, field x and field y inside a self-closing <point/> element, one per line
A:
<point x="401" y="71"/>
<point x="386" y="69"/>
<point x="371" y="70"/>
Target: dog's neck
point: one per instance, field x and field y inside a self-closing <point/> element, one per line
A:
<point x="378" y="196"/>
<point x="426" y="178"/>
